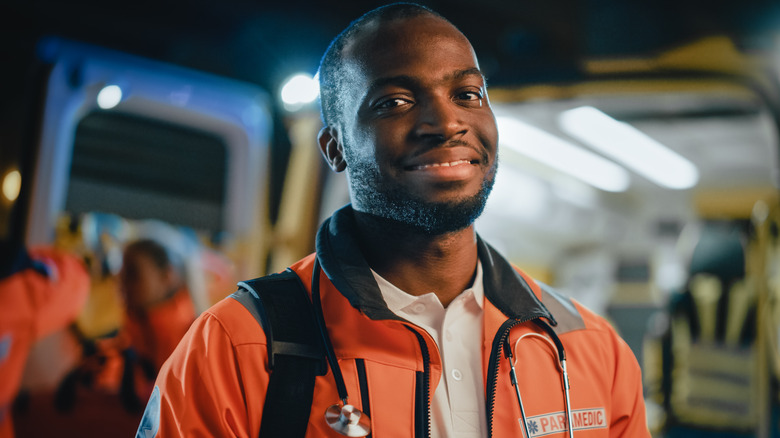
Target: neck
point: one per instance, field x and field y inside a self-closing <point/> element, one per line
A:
<point x="419" y="263"/>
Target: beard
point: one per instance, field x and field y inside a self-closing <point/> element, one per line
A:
<point x="372" y="194"/>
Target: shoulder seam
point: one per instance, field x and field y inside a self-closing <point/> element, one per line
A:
<point x="217" y="318"/>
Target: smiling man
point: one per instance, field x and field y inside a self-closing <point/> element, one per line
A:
<point x="426" y="330"/>
<point x="419" y="133"/>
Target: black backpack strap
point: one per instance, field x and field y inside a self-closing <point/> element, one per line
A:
<point x="282" y="306"/>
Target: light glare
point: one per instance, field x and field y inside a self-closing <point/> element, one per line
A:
<point x="300" y="90"/>
<point x="562" y="155"/>
<point x="109" y="96"/>
<point x="12" y="184"/>
<point x="629" y="146"/>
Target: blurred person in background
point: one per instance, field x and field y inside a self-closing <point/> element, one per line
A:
<point x="107" y="388"/>
<point x="158" y="311"/>
<point x="42" y="290"/>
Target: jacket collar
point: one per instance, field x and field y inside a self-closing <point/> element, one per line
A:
<point x="343" y="263"/>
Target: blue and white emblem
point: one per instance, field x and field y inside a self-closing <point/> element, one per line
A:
<point x="150" y="422"/>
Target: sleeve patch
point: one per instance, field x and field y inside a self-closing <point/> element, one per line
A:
<point x="150" y="422"/>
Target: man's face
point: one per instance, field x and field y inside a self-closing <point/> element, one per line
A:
<point x="419" y="138"/>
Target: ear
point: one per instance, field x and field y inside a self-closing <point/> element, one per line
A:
<point x="332" y="148"/>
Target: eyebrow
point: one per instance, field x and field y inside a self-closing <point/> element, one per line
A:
<point x="409" y="81"/>
<point x="473" y="71"/>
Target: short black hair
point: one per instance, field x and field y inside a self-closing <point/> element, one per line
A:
<point x="331" y="75"/>
<point x="156" y="252"/>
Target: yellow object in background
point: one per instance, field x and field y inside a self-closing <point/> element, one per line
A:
<point x="102" y="314"/>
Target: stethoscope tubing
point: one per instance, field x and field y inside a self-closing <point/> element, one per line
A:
<point x="557" y="345"/>
<point x="330" y="352"/>
<point x="513" y="378"/>
<point x="343" y="418"/>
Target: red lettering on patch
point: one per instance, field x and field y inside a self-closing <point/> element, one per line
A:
<point x="577" y="419"/>
<point x="555" y="422"/>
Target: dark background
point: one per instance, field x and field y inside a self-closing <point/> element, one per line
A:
<point x="264" y="42"/>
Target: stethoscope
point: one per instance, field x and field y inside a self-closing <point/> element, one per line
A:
<point x="341" y="417"/>
<point x="558" y="347"/>
<point x="350" y="421"/>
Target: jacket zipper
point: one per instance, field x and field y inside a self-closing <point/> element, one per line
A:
<point x="422" y="410"/>
<point x="493" y="366"/>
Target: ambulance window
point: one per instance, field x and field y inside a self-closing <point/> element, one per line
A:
<point x="142" y="168"/>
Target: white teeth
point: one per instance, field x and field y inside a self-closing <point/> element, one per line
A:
<point x="450" y="164"/>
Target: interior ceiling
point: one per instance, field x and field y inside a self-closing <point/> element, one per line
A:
<point x="732" y="141"/>
<point x="265" y="42"/>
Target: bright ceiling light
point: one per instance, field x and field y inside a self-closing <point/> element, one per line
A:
<point x="627" y="145"/>
<point x="12" y="185"/>
<point x="562" y="155"/>
<point x="109" y="96"/>
<point x="300" y="90"/>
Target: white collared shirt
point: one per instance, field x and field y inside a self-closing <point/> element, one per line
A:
<point x="458" y="404"/>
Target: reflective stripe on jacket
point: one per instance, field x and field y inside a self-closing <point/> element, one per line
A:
<point x="214" y="383"/>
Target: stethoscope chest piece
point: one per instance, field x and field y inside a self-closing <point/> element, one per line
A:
<point x="348" y="420"/>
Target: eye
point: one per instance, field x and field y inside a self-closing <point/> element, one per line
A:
<point x="391" y="103"/>
<point x="470" y="97"/>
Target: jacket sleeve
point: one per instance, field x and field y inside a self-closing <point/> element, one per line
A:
<point x="200" y="391"/>
<point x="59" y="298"/>
<point x="628" y="405"/>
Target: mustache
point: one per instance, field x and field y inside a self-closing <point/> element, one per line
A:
<point x="481" y="150"/>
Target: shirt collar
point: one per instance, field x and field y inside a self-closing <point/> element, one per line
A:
<point x="398" y="300"/>
<point x="341" y="260"/>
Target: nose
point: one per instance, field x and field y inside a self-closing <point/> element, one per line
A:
<point x="440" y="118"/>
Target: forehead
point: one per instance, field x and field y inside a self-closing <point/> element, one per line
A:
<point x="138" y="256"/>
<point x="135" y="257"/>
<point x="424" y="45"/>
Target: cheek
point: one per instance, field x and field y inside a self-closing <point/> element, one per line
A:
<point x="488" y="134"/>
<point x="391" y="144"/>
<point x="359" y="149"/>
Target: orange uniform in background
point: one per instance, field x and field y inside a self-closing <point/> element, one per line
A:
<point x="150" y="338"/>
<point x="108" y="388"/>
<point x="44" y="294"/>
<point x="158" y="311"/>
<point x="155" y="334"/>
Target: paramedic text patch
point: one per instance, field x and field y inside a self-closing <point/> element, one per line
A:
<point x="548" y="424"/>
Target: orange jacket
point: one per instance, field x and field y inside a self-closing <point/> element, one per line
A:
<point x="155" y="334"/>
<point x="34" y="302"/>
<point x="151" y="336"/>
<point x="214" y="382"/>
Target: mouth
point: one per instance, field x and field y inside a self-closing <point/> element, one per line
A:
<point x="443" y="164"/>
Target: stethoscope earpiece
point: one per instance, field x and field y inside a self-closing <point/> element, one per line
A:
<point x="348" y="420"/>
